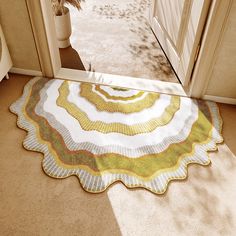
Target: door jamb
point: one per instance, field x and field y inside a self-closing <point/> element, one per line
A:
<point x="211" y="39"/>
<point x="41" y="18"/>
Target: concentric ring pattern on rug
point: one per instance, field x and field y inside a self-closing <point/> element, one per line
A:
<point x="104" y="134"/>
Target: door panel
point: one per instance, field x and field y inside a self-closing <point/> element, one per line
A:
<point x="164" y="9"/>
<point x="178" y="25"/>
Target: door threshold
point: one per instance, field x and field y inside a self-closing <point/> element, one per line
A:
<point x="122" y="81"/>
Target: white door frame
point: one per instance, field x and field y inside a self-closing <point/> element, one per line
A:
<point x="211" y="39"/>
<point x="46" y="43"/>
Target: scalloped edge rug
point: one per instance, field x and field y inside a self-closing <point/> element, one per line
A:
<point x="104" y="134"/>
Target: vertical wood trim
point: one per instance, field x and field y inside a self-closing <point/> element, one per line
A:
<point x="51" y="35"/>
<point x="211" y="39"/>
<point x="42" y="23"/>
<point x="186" y="66"/>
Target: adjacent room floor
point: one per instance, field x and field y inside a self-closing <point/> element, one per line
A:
<point x="115" y="37"/>
<point x="34" y="204"/>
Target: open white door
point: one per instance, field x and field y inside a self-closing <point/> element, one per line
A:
<point x="178" y="25"/>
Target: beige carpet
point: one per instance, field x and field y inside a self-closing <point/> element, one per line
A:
<point x="114" y="37"/>
<point x="35" y="204"/>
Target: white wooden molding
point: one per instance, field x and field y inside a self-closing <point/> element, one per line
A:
<point x="122" y="81"/>
<point x="43" y="28"/>
<point x="212" y="36"/>
<point x="220" y="99"/>
<point x="25" y="72"/>
<point x="50" y="31"/>
<point x="40" y="40"/>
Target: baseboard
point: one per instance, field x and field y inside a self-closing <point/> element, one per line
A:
<point x="25" y="72"/>
<point x="220" y="99"/>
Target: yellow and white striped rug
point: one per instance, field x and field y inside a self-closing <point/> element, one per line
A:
<point x="105" y="134"/>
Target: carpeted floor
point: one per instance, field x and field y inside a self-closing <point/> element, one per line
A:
<point x="34" y="204"/>
<point x="114" y="37"/>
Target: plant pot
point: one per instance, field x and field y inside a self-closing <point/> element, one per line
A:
<point x="63" y="29"/>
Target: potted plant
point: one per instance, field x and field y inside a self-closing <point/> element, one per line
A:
<point x="62" y="20"/>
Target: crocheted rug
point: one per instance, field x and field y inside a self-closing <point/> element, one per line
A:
<point x="105" y="134"/>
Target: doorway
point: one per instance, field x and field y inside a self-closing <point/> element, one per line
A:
<point x="56" y="68"/>
<point x="115" y="37"/>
